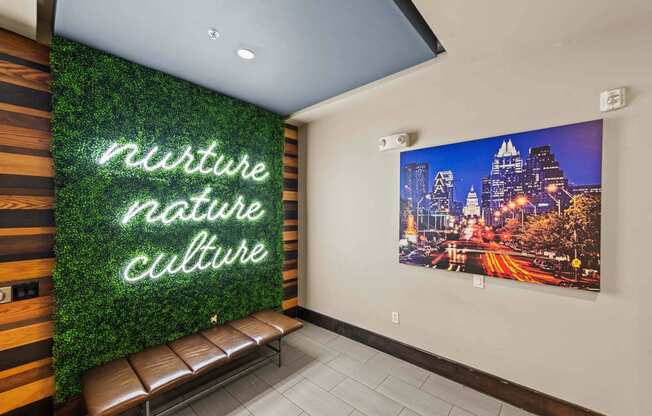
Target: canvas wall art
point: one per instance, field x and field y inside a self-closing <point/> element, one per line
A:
<point x="522" y="206"/>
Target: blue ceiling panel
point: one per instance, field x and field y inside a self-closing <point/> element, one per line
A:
<point x="306" y="50"/>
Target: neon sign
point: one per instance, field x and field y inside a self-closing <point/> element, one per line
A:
<point x="208" y="162"/>
<point x="180" y="210"/>
<point x="203" y="252"/>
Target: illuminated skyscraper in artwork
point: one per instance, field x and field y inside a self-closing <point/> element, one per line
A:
<point x="443" y="191"/>
<point x="415" y="182"/>
<point x="485" y="198"/>
<point x="542" y="170"/>
<point x="506" y="178"/>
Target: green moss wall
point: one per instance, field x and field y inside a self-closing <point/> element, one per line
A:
<point x="100" y="99"/>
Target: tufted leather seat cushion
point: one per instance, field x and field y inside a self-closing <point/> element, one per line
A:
<point x="279" y="321"/>
<point x="234" y="343"/>
<point x="256" y="330"/>
<point x="112" y="388"/>
<point x="159" y="368"/>
<point x="198" y="353"/>
<point x="119" y="385"/>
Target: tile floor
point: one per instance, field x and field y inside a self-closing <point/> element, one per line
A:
<point x="324" y="374"/>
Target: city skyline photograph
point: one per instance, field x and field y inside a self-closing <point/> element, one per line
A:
<point x="522" y="206"/>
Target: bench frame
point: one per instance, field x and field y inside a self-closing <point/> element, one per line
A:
<point x="233" y="375"/>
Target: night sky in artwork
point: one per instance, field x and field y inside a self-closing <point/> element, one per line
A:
<point x="577" y="147"/>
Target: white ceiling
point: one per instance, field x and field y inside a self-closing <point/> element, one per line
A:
<point x="491" y="29"/>
<point x="478" y="28"/>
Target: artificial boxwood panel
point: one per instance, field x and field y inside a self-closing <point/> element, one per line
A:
<point x="99" y="99"/>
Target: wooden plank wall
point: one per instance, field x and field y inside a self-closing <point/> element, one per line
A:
<point x="291" y="220"/>
<point x="27" y="226"/>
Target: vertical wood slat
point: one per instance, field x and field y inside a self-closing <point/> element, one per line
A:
<point x="21" y="47"/>
<point x="26" y="138"/>
<point x="287" y="196"/>
<point x="25" y="269"/>
<point x="290" y="161"/>
<point x="23" y="335"/>
<point x="25" y="110"/>
<point x="26" y="394"/>
<point x="290" y="303"/>
<point x="290" y="175"/>
<point x="23" y="310"/>
<point x="26" y="202"/>
<point x="26" y="375"/>
<point x="290" y="274"/>
<point x="25" y="367"/>
<point x="291" y="132"/>
<point x="17" y="164"/>
<point x="291" y="149"/>
<point x="6" y="232"/>
<point x="24" y="121"/>
<point x="24" y="76"/>
<point x="290" y="235"/>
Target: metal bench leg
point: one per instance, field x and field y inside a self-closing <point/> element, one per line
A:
<point x="147" y="411"/>
<point x="280" y="361"/>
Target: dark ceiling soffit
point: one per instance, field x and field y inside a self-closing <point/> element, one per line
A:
<point x="413" y="16"/>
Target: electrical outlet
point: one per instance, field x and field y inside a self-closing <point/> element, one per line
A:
<point x="478" y="281"/>
<point x="24" y="291"/>
<point x="395" y="319"/>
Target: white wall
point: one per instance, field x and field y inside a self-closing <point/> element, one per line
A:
<point x="593" y="350"/>
<point x="19" y="16"/>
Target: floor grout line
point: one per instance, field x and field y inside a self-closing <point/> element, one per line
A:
<point x="372" y="357"/>
<point x="381" y="383"/>
<point x="423" y="383"/>
<point x="353" y="409"/>
<point x="234" y="398"/>
<point x="340" y="382"/>
<point x="290" y="400"/>
<point x="327" y="360"/>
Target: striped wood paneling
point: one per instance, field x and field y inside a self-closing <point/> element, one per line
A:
<point x="291" y="219"/>
<point x="27" y="225"/>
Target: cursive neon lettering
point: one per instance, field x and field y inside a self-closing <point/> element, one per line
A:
<point x="204" y="209"/>
<point x="200" y="248"/>
<point x="203" y="161"/>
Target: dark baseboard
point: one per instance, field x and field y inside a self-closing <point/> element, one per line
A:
<point x="73" y="407"/>
<point x="292" y="312"/>
<point x="515" y="394"/>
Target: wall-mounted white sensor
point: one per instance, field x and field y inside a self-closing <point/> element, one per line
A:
<point x="395" y="141"/>
<point x="612" y="99"/>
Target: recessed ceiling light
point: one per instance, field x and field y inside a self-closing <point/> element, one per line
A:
<point x="213" y="34"/>
<point x="247" y="54"/>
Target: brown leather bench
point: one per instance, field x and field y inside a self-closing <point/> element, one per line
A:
<point x="119" y="385"/>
